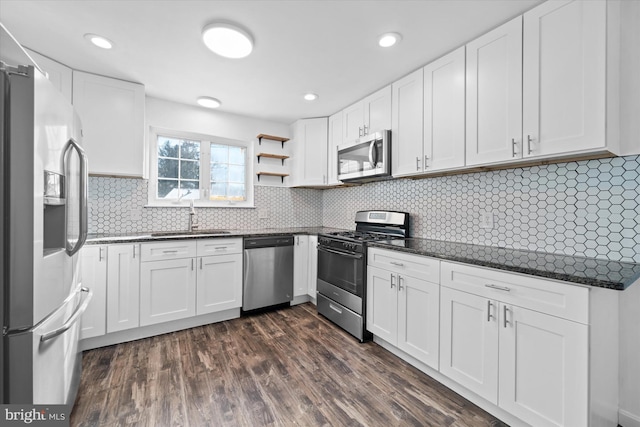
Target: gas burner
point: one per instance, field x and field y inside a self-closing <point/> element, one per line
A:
<point x="362" y="236"/>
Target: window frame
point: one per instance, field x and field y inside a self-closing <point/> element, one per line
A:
<point x="205" y="170"/>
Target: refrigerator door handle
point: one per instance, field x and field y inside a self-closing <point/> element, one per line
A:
<point x="83" y="218"/>
<point x="80" y="309"/>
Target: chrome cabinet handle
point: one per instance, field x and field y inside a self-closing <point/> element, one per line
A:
<point x="200" y="263"/>
<point x="100" y="254"/>
<point x="220" y="248"/>
<point x="134" y="251"/>
<point x="513" y="147"/>
<point x="170" y="252"/>
<point x="399" y="264"/>
<point x="417" y="163"/>
<point x="392" y="277"/>
<point x="400" y="279"/>
<point x="425" y="161"/>
<point x="489" y="315"/>
<point x="500" y="288"/>
<point x="505" y="310"/>
<point x="529" y="139"/>
<point x="360" y="132"/>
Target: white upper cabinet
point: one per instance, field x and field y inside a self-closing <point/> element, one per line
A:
<point x="494" y="95"/>
<point x="60" y="75"/>
<point x="564" y="84"/>
<point x="112" y="115"/>
<point x="335" y="139"/>
<point x="310" y="141"/>
<point x="369" y="115"/>
<point x="444" y="112"/>
<point x="406" y="124"/>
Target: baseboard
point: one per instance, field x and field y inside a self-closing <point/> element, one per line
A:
<point x="627" y="419"/>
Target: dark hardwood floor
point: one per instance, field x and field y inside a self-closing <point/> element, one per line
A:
<point x="289" y="367"/>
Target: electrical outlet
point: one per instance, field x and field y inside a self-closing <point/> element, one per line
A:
<point x="486" y="220"/>
<point x="263" y="214"/>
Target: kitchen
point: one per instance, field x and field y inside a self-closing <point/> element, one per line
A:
<point x="582" y="204"/>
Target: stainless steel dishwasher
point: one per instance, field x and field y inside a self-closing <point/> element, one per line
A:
<point x="268" y="272"/>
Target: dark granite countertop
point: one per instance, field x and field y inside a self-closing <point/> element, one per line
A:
<point x="153" y="236"/>
<point x="584" y="271"/>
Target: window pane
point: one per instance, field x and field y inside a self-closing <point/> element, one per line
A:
<point x="190" y="150"/>
<point x="189" y="169"/>
<point x="219" y="172"/>
<point x="236" y="155"/>
<point x="236" y="174"/>
<point x="218" y="191"/>
<point x="167" y="189"/>
<point x="219" y="153"/>
<point x="189" y="189"/>
<point x="167" y="147"/>
<point x="167" y="168"/>
<point x="236" y="192"/>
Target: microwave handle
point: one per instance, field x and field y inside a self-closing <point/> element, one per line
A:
<point x="373" y="155"/>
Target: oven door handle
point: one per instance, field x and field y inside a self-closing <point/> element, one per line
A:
<point x="346" y="254"/>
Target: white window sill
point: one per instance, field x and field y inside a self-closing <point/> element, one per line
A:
<point x="199" y="204"/>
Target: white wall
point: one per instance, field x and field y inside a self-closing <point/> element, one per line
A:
<point x="188" y="118"/>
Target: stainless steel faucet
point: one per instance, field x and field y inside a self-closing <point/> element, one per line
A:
<point x="193" y="221"/>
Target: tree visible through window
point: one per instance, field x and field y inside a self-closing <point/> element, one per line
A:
<point x="178" y="168"/>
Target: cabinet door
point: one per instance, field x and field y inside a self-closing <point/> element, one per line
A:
<point x="377" y="111"/>
<point x="219" y="283"/>
<point x="123" y="287"/>
<point x="58" y="74"/>
<point x="335" y="139"/>
<point x="312" y="136"/>
<point x="93" y="264"/>
<point x="419" y="319"/>
<point x="564" y="77"/>
<point x="469" y="341"/>
<point x="167" y="290"/>
<point x="112" y="116"/>
<point x="494" y="95"/>
<point x="406" y="124"/>
<point x="382" y="307"/>
<point x="353" y="122"/>
<point x="543" y="368"/>
<point x="313" y="266"/>
<point x="444" y="112"/>
<point x="301" y="266"/>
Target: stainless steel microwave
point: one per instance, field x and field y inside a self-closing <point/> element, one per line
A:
<point x="366" y="159"/>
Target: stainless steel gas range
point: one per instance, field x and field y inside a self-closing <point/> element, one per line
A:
<point x="342" y="265"/>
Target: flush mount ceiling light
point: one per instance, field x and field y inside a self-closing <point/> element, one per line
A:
<point x="99" y="41"/>
<point x="389" y="39"/>
<point x="310" y="96"/>
<point x="208" y="102"/>
<point x="227" y="40"/>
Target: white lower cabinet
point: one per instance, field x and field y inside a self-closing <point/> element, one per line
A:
<point x="301" y="266"/>
<point x="181" y="279"/>
<point x="123" y="287"/>
<point x="93" y="262"/>
<point x="219" y="283"/>
<point x="403" y="309"/>
<point x="167" y="290"/>
<point x="313" y="267"/>
<point x="532" y="364"/>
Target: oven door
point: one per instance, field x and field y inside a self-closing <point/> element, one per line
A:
<point x="344" y="270"/>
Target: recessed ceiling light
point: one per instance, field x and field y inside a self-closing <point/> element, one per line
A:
<point x="99" y="41"/>
<point x="389" y="39"/>
<point x="227" y="40"/>
<point x="209" y="102"/>
<point x="310" y="96"/>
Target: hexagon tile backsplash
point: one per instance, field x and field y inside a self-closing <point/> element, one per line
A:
<point x="587" y="208"/>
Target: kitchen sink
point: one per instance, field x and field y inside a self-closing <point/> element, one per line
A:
<point x="188" y="233"/>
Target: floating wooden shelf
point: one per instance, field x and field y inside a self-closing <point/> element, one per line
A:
<point x="272" y="138"/>
<point x="272" y="156"/>
<point x="281" y="175"/>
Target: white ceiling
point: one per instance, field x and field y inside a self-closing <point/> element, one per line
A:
<point x="327" y="47"/>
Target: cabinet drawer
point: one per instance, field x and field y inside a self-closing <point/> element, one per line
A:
<point x="168" y="250"/>
<point x="208" y="247"/>
<point x="421" y="267"/>
<point x="546" y="296"/>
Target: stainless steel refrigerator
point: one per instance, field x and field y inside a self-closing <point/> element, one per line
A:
<point x="44" y="224"/>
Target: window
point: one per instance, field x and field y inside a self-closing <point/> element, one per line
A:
<point x="208" y="170"/>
